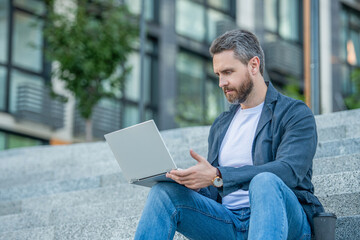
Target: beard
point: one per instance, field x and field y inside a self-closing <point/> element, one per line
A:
<point x="240" y="94"/>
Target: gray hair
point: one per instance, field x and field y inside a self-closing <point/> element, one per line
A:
<point x="244" y="44"/>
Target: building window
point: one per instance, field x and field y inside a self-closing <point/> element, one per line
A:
<point x="213" y="19"/>
<point x="199" y="99"/>
<point x="4" y="16"/>
<point x="27" y="42"/>
<point x="350" y="50"/>
<point x="201" y="22"/>
<point x="190" y="19"/>
<point x="12" y="140"/>
<point x="25" y="47"/>
<point x="132" y="91"/>
<point x="283" y="19"/>
<point x="151" y="7"/>
<point x="283" y="45"/>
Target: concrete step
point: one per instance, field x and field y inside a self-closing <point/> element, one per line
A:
<point x="338" y="118"/>
<point x="348" y="228"/>
<point x="74" y="214"/>
<point x="342" y="204"/>
<point x="24" y="220"/>
<point x="332" y="189"/>
<point x="338" y="132"/>
<point x="337" y="183"/>
<point x="13" y="178"/>
<point x="125" y="192"/>
<point x="46" y="188"/>
<point x="182" y="159"/>
<point x="51" y="187"/>
<point x="338" y="147"/>
<point x="51" y="156"/>
<point x="109" y="229"/>
<point x="110" y="170"/>
<point x="53" y="162"/>
<point x="40" y="233"/>
<point x="10" y="207"/>
<point x="124" y="228"/>
<point x="342" y="163"/>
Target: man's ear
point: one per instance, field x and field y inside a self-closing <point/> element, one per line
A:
<point x="254" y="65"/>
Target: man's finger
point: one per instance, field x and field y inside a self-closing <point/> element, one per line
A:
<point x="196" y="156"/>
<point x="182" y="173"/>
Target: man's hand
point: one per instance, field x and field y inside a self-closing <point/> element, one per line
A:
<point x="195" y="177"/>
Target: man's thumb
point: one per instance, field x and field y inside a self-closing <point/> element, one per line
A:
<point x="196" y="156"/>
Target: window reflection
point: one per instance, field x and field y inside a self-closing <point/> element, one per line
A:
<point x="135" y="7"/>
<point x="223" y="4"/>
<point x="2" y="141"/>
<point x="214" y="18"/>
<point x="349" y="49"/>
<point x="214" y="101"/>
<point x="35" y="6"/>
<point x="9" y="140"/>
<point x="190" y="89"/>
<point x="190" y="20"/>
<point x="132" y="85"/>
<point x="289" y="19"/>
<point x="131" y="115"/>
<point x="199" y="100"/>
<point x="27" y="45"/>
<point x="4" y="10"/>
<point x="270" y="15"/>
<point x="15" y="141"/>
<point x="282" y="17"/>
<point x="353" y="48"/>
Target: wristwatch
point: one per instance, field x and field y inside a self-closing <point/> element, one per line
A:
<point x="217" y="181"/>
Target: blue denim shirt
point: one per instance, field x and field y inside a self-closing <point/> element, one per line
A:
<point x="284" y="144"/>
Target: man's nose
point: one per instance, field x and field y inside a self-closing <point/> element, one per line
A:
<point x="223" y="82"/>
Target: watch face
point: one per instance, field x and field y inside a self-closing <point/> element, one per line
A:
<point x="218" y="182"/>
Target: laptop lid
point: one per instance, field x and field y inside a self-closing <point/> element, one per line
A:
<point x="140" y="151"/>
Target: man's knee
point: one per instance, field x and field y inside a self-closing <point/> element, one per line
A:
<point x="264" y="182"/>
<point x="167" y="189"/>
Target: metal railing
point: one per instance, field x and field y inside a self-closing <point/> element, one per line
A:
<point x="284" y="57"/>
<point x="35" y="104"/>
<point x="104" y="118"/>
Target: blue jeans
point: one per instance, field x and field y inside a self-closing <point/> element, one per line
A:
<point x="275" y="214"/>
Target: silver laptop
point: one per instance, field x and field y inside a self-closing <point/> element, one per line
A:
<point x="141" y="154"/>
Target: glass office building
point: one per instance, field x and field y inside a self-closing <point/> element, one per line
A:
<point x="180" y="88"/>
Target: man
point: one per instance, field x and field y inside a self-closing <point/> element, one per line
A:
<point x="256" y="181"/>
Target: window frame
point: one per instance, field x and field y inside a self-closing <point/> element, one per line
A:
<point x="8" y="65"/>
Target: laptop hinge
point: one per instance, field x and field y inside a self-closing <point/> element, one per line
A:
<point x="134" y="180"/>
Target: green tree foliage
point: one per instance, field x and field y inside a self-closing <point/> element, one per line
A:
<point x="292" y="89"/>
<point x="91" y="43"/>
<point x="353" y="100"/>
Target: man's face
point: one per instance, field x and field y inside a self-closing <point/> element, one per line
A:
<point x="234" y="77"/>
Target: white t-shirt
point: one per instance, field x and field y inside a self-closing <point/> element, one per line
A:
<point x="235" y="150"/>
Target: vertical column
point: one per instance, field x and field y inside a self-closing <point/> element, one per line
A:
<point x="307" y="53"/>
<point x="325" y="56"/>
<point x="167" y="65"/>
<point x="336" y="45"/>
<point x="315" y="65"/>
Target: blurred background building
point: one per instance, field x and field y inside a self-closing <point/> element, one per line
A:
<point x="180" y="88"/>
